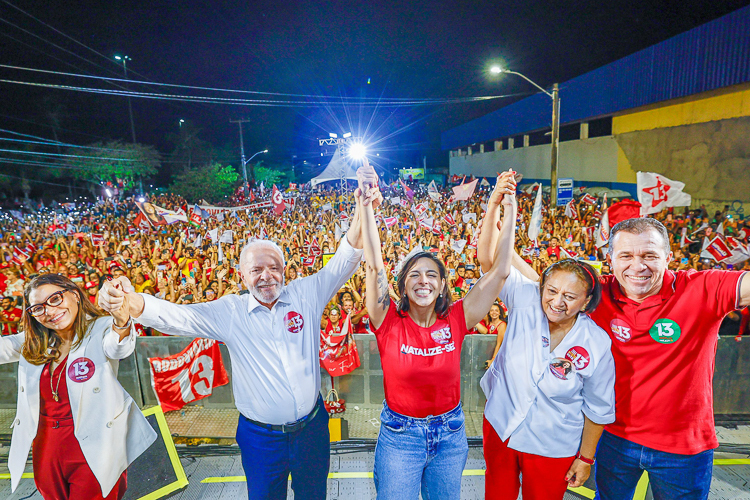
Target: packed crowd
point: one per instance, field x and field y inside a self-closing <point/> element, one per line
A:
<point x="191" y="263"/>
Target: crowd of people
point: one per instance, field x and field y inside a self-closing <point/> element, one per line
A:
<point x="571" y="378"/>
<point x="182" y="263"/>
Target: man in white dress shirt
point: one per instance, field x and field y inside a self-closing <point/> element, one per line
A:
<point x="273" y="337"/>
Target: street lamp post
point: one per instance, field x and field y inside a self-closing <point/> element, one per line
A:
<point x="555" y="96"/>
<point x="125" y="60"/>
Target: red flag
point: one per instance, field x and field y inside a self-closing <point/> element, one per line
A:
<point x="30" y="249"/>
<point x="570" y="211"/>
<point x="141" y="222"/>
<point x="718" y="249"/>
<point x="19" y="256"/>
<point x="449" y="220"/>
<point x="132" y="231"/>
<point x="589" y="199"/>
<point x="623" y="210"/>
<point x="419" y="210"/>
<point x="390" y="221"/>
<point x="308" y="261"/>
<point x="188" y="376"/>
<point x="278" y="201"/>
<point x="98" y="240"/>
<point x="404" y="203"/>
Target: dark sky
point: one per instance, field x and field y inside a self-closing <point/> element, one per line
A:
<point x="435" y="49"/>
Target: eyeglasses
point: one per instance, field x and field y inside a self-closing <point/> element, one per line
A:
<point x="53" y="300"/>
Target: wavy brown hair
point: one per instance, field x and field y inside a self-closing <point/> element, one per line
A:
<point x="444" y="300"/>
<point x="41" y="343"/>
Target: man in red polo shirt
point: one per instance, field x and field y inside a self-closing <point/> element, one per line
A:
<point x="664" y="329"/>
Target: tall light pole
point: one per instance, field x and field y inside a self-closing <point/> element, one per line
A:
<point x="124" y="60"/>
<point x="555" y="96"/>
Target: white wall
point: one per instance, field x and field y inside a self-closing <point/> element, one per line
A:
<point x="584" y="160"/>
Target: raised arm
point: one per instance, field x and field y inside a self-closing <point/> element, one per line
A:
<point x="481" y="297"/>
<point x="377" y="296"/>
<point x="10" y="348"/>
<point x="489" y="234"/>
<point x="744" y="299"/>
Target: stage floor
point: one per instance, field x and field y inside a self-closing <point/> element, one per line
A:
<point x="221" y="477"/>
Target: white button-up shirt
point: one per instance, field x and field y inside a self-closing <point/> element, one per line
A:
<point x="537" y="398"/>
<point x="275" y="353"/>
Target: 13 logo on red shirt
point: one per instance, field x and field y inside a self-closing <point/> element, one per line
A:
<point x="578" y="356"/>
<point x="621" y="330"/>
<point x="442" y="336"/>
<point x="294" y="322"/>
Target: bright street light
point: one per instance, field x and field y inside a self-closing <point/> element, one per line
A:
<point x="496" y="70"/>
<point x="347" y="135"/>
<point x="332" y="135"/>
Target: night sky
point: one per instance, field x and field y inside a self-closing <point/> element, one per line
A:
<point x="437" y="49"/>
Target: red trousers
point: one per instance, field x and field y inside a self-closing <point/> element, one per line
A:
<point x="60" y="469"/>
<point x="543" y="477"/>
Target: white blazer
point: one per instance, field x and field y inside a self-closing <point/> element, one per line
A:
<point x="108" y="424"/>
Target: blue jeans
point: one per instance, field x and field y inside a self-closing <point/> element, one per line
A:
<point x="620" y="464"/>
<point x="420" y="453"/>
<point x="269" y="456"/>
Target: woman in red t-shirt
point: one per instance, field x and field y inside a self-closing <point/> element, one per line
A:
<point x="493" y="324"/>
<point x="422" y="442"/>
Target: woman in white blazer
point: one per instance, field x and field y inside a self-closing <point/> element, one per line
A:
<point x="84" y="428"/>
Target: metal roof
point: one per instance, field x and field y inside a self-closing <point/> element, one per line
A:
<point x="708" y="57"/>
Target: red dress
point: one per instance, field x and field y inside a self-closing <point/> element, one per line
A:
<point x="60" y="469"/>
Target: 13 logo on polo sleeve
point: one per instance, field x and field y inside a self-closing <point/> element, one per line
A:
<point x="665" y="331"/>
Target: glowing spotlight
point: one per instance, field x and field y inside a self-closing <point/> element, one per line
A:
<point x="141" y="199"/>
<point x="357" y="151"/>
<point x="496" y="70"/>
<point x="347" y="135"/>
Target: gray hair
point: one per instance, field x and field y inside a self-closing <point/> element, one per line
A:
<point x="255" y="242"/>
<point x="638" y="226"/>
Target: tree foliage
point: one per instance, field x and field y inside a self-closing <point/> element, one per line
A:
<point x="268" y="176"/>
<point x="114" y="160"/>
<point x="210" y="182"/>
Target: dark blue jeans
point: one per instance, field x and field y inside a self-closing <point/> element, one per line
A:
<point x="269" y="456"/>
<point x="620" y="464"/>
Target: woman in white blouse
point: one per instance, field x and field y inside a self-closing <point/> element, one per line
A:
<point x="550" y="390"/>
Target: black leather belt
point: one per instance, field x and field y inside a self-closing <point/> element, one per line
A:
<point x="287" y="428"/>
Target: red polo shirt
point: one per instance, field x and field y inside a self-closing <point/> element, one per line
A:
<point x="664" y="351"/>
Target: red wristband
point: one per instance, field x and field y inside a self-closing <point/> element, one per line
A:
<point x="589" y="461"/>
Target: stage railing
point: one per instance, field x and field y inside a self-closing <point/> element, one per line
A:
<point x="364" y="386"/>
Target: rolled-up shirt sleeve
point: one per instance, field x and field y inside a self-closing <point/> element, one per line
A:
<point x="599" y="391"/>
<point x="114" y="348"/>
<point x="206" y="320"/>
<point x="339" y="269"/>
<point x="10" y="348"/>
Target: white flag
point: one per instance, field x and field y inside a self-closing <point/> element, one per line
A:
<point x="395" y="200"/>
<point x="338" y="232"/>
<point x="198" y="241"/>
<point x="432" y="191"/>
<point x="602" y="233"/>
<point x="458" y="246"/>
<point x="535" y="226"/>
<point x="656" y="192"/>
<point x="226" y="236"/>
<point x="470" y="216"/>
<point x="214" y="234"/>
<point x="220" y="217"/>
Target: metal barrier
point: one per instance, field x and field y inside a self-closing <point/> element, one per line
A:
<point x="364" y="386"/>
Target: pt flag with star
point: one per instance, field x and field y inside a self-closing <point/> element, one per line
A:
<point x="656" y="192"/>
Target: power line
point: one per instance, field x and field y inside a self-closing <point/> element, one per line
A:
<point x="261" y="102"/>
<point x="214" y="89"/>
<point x="62" y="154"/>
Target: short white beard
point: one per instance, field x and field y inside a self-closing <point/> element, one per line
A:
<point x="259" y="296"/>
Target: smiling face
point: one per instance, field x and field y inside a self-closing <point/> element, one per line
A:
<point x="423" y="283"/>
<point x="563" y="297"/>
<point x="638" y="262"/>
<point x="262" y="272"/>
<point x="494" y="312"/>
<point x="61" y="317"/>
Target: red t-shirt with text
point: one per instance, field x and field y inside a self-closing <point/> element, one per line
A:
<point x="664" y="350"/>
<point x="422" y="366"/>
